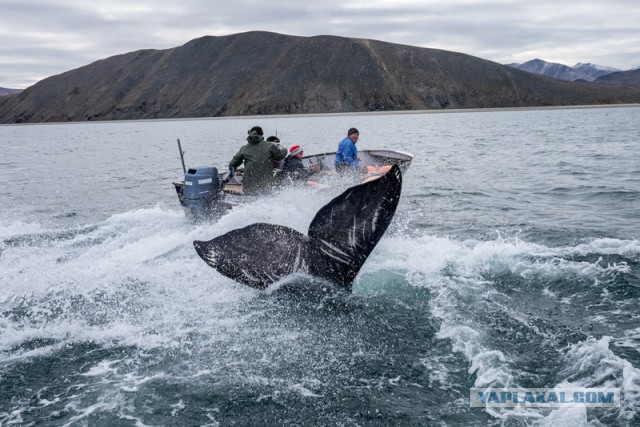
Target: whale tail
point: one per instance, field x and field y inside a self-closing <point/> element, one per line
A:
<point x="340" y="238"/>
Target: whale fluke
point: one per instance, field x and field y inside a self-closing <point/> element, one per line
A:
<point x="341" y="237"/>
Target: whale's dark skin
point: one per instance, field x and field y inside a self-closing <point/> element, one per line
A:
<point x="340" y="238"/>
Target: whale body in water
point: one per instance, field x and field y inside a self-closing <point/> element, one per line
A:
<point x="340" y="238"/>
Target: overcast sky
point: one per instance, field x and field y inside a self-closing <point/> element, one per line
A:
<point x="40" y="38"/>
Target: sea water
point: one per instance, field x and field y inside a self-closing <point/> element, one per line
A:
<point x="513" y="261"/>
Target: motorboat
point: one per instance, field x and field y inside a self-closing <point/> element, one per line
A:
<point x="204" y="194"/>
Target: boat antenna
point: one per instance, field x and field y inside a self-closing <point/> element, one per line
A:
<point x="184" y="169"/>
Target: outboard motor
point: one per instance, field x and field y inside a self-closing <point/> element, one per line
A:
<point x="201" y="191"/>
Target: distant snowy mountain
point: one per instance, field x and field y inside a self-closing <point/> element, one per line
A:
<point x="594" y="70"/>
<point x="551" y="69"/>
<point x="580" y="71"/>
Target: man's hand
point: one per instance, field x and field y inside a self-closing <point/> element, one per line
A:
<point x="227" y="178"/>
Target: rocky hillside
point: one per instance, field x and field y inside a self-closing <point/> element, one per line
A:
<point x="266" y="73"/>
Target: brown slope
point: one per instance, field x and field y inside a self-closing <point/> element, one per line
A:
<point x="267" y="73"/>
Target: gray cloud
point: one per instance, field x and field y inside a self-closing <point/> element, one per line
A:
<point x="41" y="38"/>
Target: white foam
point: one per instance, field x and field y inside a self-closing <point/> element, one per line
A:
<point x="607" y="247"/>
<point x="305" y="392"/>
<point x="592" y="363"/>
<point x="565" y="417"/>
<point x="428" y="256"/>
<point x="19" y="228"/>
<point x="134" y="280"/>
<point x="175" y="409"/>
<point x="631" y="339"/>
<point x="455" y="273"/>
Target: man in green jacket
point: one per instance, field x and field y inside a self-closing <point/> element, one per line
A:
<point x="258" y="157"/>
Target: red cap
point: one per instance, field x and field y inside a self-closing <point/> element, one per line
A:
<point x="295" y="150"/>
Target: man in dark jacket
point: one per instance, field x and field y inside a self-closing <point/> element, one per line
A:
<point x="258" y="156"/>
<point x="294" y="169"/>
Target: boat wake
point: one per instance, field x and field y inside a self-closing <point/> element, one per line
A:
<point x="126" y="311"/>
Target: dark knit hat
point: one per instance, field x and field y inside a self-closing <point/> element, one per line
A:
<point x="273" y="139"/>
<point x="352" y="131"/>
<point x="257" y="129"/>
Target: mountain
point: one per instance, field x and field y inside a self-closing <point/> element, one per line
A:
<point x="266" y="73"/>
<point x="593" y="71"/>
<point x="621" y="78"/>
<point x="587" y="72"/>
<point x="551" y="69"/>
<point x="4" y="91"/>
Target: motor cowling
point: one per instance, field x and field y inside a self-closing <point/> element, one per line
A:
<point x="201" y="190"/>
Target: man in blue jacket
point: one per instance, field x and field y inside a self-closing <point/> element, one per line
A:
<point x="347" y="154"/>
